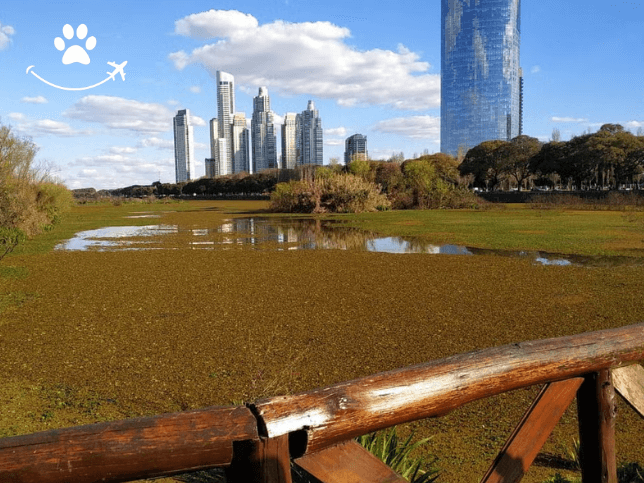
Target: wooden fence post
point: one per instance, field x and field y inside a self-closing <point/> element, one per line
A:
<point x="266" y="460"/>
<point x="596" y="411"/>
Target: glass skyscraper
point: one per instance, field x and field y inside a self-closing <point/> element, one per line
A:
<point x="310" y="131"/>
<point x="262" y="129"/>
<point x="480" y="73"/>
<point x="183" y="146"/>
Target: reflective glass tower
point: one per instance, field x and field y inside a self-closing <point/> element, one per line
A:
<point x="480" y="74"/>
<point x="183" y="146"/>
<point x="310" y="132"/>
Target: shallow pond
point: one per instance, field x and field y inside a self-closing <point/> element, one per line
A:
<point x="270" y="233"/>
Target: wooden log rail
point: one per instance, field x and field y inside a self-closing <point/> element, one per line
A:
<point x="315" y="429"/>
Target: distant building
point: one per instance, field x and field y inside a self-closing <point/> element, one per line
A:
<point x="183" y="146"/>
<point x="263" y="133"/>
<point x="214" y="134"/>
<point x="310" y="130"/>
<point x="241" y="160"/>
<point x="211" y="167"/>
<point x="290" y="141"/>
<point x="481" y="83"/>
<point x="355" y="146"/>
<point x="225" y="113"/>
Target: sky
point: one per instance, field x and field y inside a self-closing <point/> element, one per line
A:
<point x="370" y="67"/>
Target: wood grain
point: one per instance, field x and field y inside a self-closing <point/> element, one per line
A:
<point x="348" y="463"/>
<point x="524" y="444"/>
<point x="596" y="411"/>
<point x="345" y="410"/>
<point x="629" y="383"/>
<point x="127" y="450"/>
<point x="261" y="461"/>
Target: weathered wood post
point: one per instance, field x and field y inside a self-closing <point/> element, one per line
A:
<point x="596" y="411"/>
<point x="266" y="460"/>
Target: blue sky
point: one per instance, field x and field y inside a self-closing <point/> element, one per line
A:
<point x="371" y="68"/>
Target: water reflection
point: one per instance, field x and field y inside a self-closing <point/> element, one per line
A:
<point x="268" y="233"/>
<point x="114" y="237"/>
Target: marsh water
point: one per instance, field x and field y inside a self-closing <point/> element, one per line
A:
<point x="275" y="233"/>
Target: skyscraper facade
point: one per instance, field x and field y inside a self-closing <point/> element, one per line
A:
<point x="241" y="161"/>
<point x="290" y="141"/>
<point x="225" y="113"/>
<point x="263" y="133"/>
<point x="183" y="146"/>
<point x="310" y="126"/>
<point x="480" y="74"/>
<point x="355" y="146"/>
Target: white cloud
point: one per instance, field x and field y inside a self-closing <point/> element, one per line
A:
<point x="277" y="119"/>
<point x="123" y="150"/>
<point x="334" y="142"/>
<point x="567" y="119"/>
<point x="215" y="23"/>
<point x="159" y="143"/>
<point x="195" y="89"/>
<point x="44" y="127"/>
<point x="634" y="124"/>
<point x="16" y="116"/>
<point x="415" y="127"/>
<point x="172" y="102"/>
<point x="34" y="100"/>
<point x="197" y="121"/>
<point x="307" y="58"/>
<point x="535" y="69"/>
<point x="336" y="131"/>
<point x="5" y="35"/>
<point x="120" y="113"/>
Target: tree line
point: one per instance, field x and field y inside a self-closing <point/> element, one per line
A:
<point x="610" y="158"/>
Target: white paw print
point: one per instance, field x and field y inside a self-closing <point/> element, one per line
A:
<point x="75" y="53"/>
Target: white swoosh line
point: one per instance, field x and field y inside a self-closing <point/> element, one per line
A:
<point x="68" y="88"/>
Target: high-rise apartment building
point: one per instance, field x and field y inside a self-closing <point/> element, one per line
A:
<point x="241" y="161"/>
<point x="183" y="146"/>
<point x="225" y="113"/>
<point x="214" y="134"/>
<point x="290" y="141"/>
<point x="480" y="74"/>
<point x="310" y="126"/>
<point x="355" y="147"/>
<point x="263" y="133"/>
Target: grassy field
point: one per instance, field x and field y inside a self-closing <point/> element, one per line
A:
<point x="93" y="336"/>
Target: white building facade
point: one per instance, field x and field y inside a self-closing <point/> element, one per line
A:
<point x="241" y="159"/>
<point x="225" y="113"/>
<point x="290" y="141"/>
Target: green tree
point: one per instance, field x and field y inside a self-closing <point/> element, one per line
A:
<point x="516" y="156"/>
<point x="485" y="164"/>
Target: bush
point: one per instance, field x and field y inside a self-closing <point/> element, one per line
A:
<point x="29" y="201"/>
<point x="329" y="191"/>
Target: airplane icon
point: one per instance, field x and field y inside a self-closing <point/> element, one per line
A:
<point x="118" y="69"/>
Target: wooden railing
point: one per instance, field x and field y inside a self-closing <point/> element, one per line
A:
<point x="315" y="429"/>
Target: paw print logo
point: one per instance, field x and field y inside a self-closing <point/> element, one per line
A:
<point x="75" y="53"/>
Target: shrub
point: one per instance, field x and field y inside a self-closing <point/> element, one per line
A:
<point x="329" y="191"/>
<point x="29" y="201"/>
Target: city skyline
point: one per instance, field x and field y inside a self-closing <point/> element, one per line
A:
<point x="372" y="70"/>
